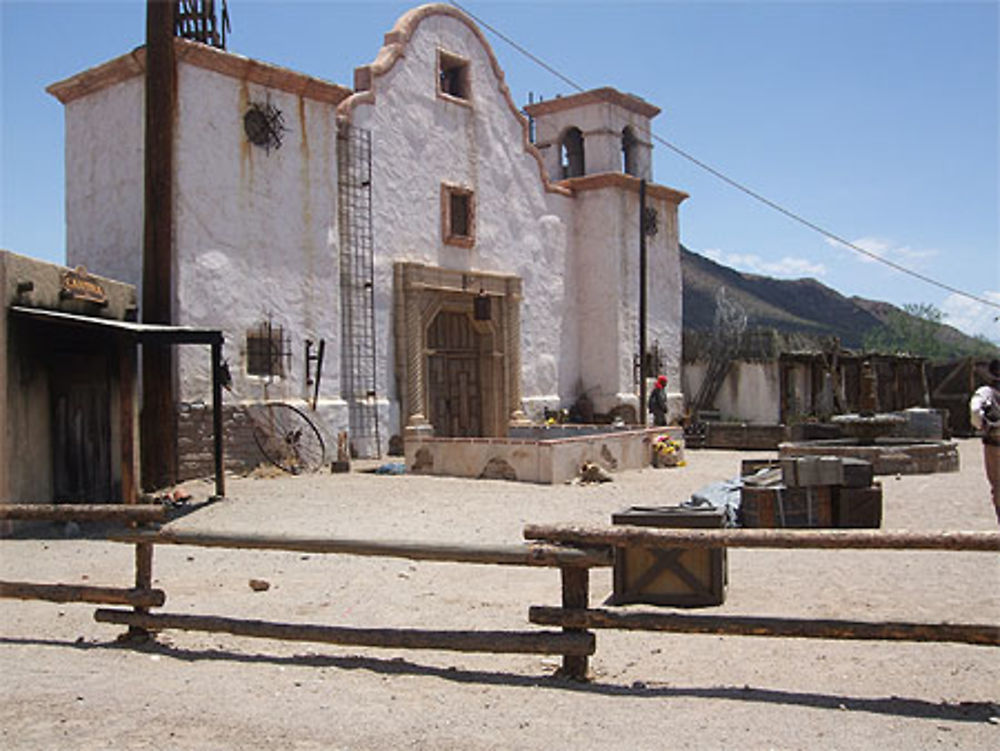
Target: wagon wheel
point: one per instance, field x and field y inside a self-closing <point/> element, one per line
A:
<point x="287" y="438"/>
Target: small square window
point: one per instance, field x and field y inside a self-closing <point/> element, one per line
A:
<point x="458" y="215"/>
<point x="453" y="75"/>
<point x="267" y="351"/>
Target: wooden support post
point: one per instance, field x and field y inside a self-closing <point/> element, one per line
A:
<point x="143" y="580"/>
<point x="642" y="412"/>
<point x="495" y="642"/>
<point x="575" y="594"/>
<point x="220" y="479"/>
<point x="127" y="387"/>
<point x="159" y="418"/>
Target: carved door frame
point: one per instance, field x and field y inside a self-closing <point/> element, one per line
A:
<point x="421" y="292"/>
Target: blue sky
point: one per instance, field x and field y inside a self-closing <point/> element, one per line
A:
<point x="875" y="120"/>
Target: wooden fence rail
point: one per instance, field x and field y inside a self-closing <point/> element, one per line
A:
<point x="982" y="634"/>
<point x="77" y="593"/>
<point x="859" y="539"/>
<point x="574" y="550"/>
<point x="83" y="512"/>
<point x="518" y="642"/>
<point x="535" y="554"/>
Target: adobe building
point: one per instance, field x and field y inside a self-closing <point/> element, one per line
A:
<point x="465" y="268"/>
<point x="67" y="408"/>
<point x="68" y="380"/>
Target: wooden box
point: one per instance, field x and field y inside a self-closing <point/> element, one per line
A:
<point x="779" y="506"/>
<point x="804" y="471"/>
<point x="858" y="507"/>
<point x="683" y="577"/>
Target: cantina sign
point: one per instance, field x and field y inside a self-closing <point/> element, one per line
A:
<point x="79" y="285"/>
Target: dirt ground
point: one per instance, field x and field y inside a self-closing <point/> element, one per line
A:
<point x="66" y="682"/>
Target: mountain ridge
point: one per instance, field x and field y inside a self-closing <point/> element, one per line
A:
<point x="804" y="307"/>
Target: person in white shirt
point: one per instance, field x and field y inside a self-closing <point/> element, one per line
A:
<point x="984" y="413"/>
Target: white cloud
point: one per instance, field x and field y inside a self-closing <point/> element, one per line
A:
<point x="972" y="317"/>
<point x="754" y="264"/>
<point x="904" y="255"/>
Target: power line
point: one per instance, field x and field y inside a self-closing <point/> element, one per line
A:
<point x="734" y="183"/>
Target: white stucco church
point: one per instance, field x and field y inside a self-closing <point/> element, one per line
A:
<point x="465" y="266"/>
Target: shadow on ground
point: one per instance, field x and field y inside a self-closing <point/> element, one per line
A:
<point x="971" y="711"/>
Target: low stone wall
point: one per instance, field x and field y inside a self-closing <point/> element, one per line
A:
<point x="539" y="461"/>
<point x="741" y="435"/>
<point x="195" y="456"/>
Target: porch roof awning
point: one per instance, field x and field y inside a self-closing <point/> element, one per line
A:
<point x="143" y="333"/>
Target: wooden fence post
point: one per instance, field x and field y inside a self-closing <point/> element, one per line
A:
<point x="575" y="594"/>
<point x="143" y="580"/>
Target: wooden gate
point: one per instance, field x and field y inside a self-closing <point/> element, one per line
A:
<point x="454" y="378"/>
<point x="951" y="387"/>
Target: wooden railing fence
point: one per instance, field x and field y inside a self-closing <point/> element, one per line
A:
<point x="573" y="550"/>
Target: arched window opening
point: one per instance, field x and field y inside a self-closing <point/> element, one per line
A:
<point x="571" y="153"/>
<point x="630" y="146"/>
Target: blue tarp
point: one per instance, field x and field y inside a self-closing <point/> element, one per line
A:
<point x="723" y="495"/>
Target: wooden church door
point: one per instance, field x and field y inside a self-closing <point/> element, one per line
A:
<point x="453" y="377"/>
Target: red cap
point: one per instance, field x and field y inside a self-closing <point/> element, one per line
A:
<point x="661" y="380"/>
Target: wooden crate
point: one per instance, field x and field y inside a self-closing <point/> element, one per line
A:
<point x="858" y="508"/>
<point x="682" y="577"/>
<point x="780" y="506"/>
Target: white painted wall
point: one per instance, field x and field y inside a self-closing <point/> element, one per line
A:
<point x="604" y="321"/>
<point x="421" y="140"/>
<point x="104" y="187"/>
<point x="256" y="233"/>
<point x="751" y="392"/>
<point x="664" y="317"/>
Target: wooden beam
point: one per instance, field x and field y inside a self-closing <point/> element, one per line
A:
<point x="76" y="593"/>
<point x="515" y="642"/>
<point x="982" y="634"/>
<point x="623" y="536"/>
<point x="536" y="554"/>
<point x="83" y="512"/>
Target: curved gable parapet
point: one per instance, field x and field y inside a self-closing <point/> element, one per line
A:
<point x="394" y="48"/>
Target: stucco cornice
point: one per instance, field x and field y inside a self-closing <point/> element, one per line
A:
<point x="622" y="182"/>
<point x="100" y="77"/>
<point x="594" y="96"/>
<point x="394" y="47"/>
<point x="203" y="56"/>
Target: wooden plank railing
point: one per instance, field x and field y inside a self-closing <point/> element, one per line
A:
<point x="532" y="554"/>
<point x="859" y="539"/>
<point x="83" y="512"/>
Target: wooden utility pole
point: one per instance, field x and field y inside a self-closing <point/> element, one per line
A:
<point x="159" y="416"/>
<point x="642" y="303"/>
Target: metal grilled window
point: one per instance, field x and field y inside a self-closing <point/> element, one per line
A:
<point x="268" y="351"/>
